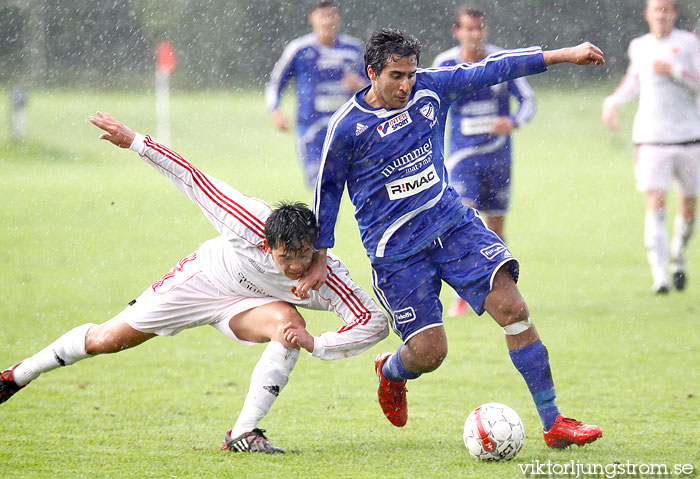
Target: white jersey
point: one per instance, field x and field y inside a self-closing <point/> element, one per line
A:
<point x="237" y="263"/>
<point x="668" y="111"/>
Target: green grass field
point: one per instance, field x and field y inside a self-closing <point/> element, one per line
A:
<point x="87" y="227"/>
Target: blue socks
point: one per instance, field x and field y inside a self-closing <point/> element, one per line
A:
<point x="533" y="363"/>
<point x="394" y="369"/>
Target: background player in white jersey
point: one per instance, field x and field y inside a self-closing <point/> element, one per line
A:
<point x="664" y="72"/>
<point x="328" y="69"/>
<point x="479" y="161"/>
<point x="243" y="283"/>
<point x="386" y="145"/>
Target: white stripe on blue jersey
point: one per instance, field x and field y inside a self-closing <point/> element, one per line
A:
<point x="318" y="70"/>
<point x="472" y="115"/>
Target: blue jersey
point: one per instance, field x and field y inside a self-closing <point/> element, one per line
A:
<point x="393" y="160"/>
<point x="473" y="114"/>
<point x="318" y="70"/>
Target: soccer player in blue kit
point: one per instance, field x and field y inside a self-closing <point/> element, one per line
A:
<point x="479" y="161"/>
<point x="328" y="69"/>
<point x="386" y="143"/>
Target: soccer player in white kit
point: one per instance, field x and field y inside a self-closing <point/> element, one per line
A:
<point x="664" y="71"/>
<point x="242" y="282"/>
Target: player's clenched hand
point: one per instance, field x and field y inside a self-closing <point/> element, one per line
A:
<point x="298" y="336"/>
<point x="502" y="125"/>
<point x="583" y="54"/>
<point x="279" y="120"/>
<point x="662" y="68"/>
<point x="315" y="276"/>
<point x="116" y="132"/>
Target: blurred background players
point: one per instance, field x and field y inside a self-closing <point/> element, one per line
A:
<point x="328" y="68"/>
<point x="479" y="158"/>
<point x="664" y="71"/>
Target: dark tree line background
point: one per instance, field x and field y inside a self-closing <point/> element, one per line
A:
<point x="234" y="43"/>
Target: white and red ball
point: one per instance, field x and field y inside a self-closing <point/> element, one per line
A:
<point x="494" y="432"/>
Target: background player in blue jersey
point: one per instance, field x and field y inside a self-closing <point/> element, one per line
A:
<point x="479" y="161"/>
<point x="386" y="144"/>
<point x="328" y="69"/>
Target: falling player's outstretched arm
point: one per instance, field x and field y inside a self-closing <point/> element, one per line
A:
<point x="230" y="211"/>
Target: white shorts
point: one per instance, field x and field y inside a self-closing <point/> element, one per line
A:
<point x="656" y="166"/>
<point x="185" y="298"/>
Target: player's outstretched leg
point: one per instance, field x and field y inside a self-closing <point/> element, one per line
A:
<point x="392" y="394"/>
<point x="8" y="386"/>
<point x="567" y="431"/>
<point x="66" y="350"/>
<point x="253" y="441"/>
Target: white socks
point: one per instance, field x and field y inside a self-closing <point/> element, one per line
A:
<point x="270" y="375"/>
<point x="66" y="350"/>
<point x="656" y="242"/>
<point x="682" y="231"/>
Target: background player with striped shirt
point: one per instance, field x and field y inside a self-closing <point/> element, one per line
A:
<point x="242" y="282"/>
<point x="664" y="72"/>
<point x="328" y="69"/>
<point x="479" y="161"/>
<point x="386" y="144"/>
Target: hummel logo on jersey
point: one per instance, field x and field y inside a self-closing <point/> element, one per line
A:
<point x="492" y="251"/>
<point x="405" y="315"/>
<point x="359" y="129"/>
<point x="411" y="185"/>
<point x="274" y="390"/>
<point x="428" y="111"/>
<point x="395" y="124"/>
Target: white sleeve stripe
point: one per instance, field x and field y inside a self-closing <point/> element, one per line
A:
<point x="254" y="224"/>
<point x="272" y="93"/>
<point x="332" y="126"/>
<point x="521" y="52"/>
<point x="527" y="106"/>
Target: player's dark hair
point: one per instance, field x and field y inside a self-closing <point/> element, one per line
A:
<point x="389" y="43"/>
<point x="291" y="226"/>
<point x="322" y="4"/>
<point x="467" y="11"/>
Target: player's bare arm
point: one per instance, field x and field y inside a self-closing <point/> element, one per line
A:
<point x="116" y="132"/>
<point x="315" y="276"/>
<point x="610" y="118"/>
<point x="583" y="54"/>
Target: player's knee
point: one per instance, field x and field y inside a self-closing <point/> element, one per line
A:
<point x="101" y="340"/>
<point x="427" y="356"/>
<point x="284" y="315"/>
<point x="513" y="311"/>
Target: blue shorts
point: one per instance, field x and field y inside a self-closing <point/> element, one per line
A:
<point x="484" y="181"/>
<point x="466" y="257"/>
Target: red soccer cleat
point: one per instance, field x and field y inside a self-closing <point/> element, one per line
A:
<point x="392" y="395"/>
<point x="8" y="386"/>
<point x="566" y="432"/>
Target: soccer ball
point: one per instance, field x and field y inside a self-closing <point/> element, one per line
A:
<point x="493" y="432"/>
